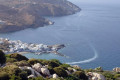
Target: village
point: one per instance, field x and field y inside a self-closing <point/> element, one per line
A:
<point x="16" y="46"/>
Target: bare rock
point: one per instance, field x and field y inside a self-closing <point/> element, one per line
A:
<point x="37" y="67"/>
<point x="31" y="76"/>
<point x="45" y="71"/>
<point x="76" y="66"/>
<point x="55" y="76"/>
<point x="95" y="76"/>
<point x="68" y="72"/>
<point x="117" y="69"/>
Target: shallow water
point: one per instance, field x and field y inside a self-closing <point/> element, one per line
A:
<point x="92" y="36"/>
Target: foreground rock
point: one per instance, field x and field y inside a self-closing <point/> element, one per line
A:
<point x="21" y="14"/>
<point x="117" y="69"/>
<point x="37" y="67"/>
<point x="95" y="76"/>
<point x="45" y="71"/>
<point x="18" y="68"/>
<point x="55" y="76"/>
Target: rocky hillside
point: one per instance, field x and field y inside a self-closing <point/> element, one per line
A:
<point x="21" y="14"/>
<point x="17" y="67"/>
<point x="44" y="7"/>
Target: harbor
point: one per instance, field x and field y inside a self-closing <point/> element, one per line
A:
<point x="17" y="46"/>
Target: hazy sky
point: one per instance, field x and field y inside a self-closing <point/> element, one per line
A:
<point x="99" y="1"/>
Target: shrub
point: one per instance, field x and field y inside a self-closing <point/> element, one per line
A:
<point x="99" y="69"/>
<point x="117" y="76"/>
<point x="23" y="75"/>
<point x="38" y="78"/>
<point x="60" y="72"/>
<point x="4" y="76"/>
<point x="56" y="79"/>
<point x="51" y="70"/>
<point x="80" y="75"/>
<point x="55" y="60"/>
<point x="11" y="69"/>
<point x="28" y="71"/>
<point x="22" y="63"/>
<point x="17" y="56"/>
<point x="108" y="75"/>
<point x="52" y="64"/>
<point x="2" y="57"/>
<point x="65" y="66"/>
<point x="70" y="69"/>
<point x="45" y="62"/>
<point x="71" y="77"/>
<point x="14" y="77"/>
<point x="11" y="60"/>
<point x="33" y="61"/>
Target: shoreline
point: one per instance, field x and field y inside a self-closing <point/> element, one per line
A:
<point x="22" y="53"/>
<point x="17" y="46"/>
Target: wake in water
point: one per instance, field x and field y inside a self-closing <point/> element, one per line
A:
<point x="88" y="60"/>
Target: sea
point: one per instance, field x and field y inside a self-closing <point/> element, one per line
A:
<point x="91" y="36"/>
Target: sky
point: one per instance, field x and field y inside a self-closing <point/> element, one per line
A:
<point x="98" y="1"/>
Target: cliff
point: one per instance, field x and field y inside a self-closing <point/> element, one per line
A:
<point x="14" y="20"/>
<point x="21" y="14"/>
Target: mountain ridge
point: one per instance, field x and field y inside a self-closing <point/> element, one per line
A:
<point x="19" y="15"/>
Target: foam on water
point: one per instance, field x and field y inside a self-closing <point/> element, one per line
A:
<point x="87" y="60"/>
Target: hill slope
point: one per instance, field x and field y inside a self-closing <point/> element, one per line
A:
<point x="21" y="14"/>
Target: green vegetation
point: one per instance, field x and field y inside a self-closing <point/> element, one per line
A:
<point x="38" y="78"/>
<point x="2" y="57"/>
<point x="80" y="75"/>
<point x="117" y="76"/>
<point x="109" y="75"/>
<point x="99" y="69"/>
<point x="33" y="61"/>
<point x="11" y="70"/>
<point x="17" y="56"/>
<point x="22" y="63"/>
<point x="60" y="72"/>
<point x="71" y="77"/>
<point x="4" y="76"/>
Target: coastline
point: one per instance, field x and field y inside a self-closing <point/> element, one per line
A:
<point x="22" y="53"/>
<point x="17" y="46"/>
<point x="23" y="18"/>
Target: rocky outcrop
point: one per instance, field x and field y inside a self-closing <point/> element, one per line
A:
<point x="37" y="67"/>
<point x="117" y="69"/>
<point x="45" y="71"/>
<point x="36" y="70"/>
<point x="22" y="14"/>
<point x="95" y="76"/>
<point x="55" y="76"/>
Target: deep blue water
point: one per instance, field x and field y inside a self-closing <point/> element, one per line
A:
<point x="92" y="36"/>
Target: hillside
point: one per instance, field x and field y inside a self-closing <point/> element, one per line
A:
<point x="21" y="14"/>
<point x="17" y="67"/>
<point x="44" y="7"/>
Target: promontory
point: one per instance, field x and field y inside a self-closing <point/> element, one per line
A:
<point x="17" y="15"/>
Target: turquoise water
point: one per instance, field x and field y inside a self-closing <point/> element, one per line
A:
<point x="92" y="36"/>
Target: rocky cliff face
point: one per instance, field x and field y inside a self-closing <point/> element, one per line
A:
<point x="15" y="20"/>
<point x="21" y="14"/>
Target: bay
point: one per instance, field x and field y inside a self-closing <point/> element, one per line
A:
<point x="92" y="36"/>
